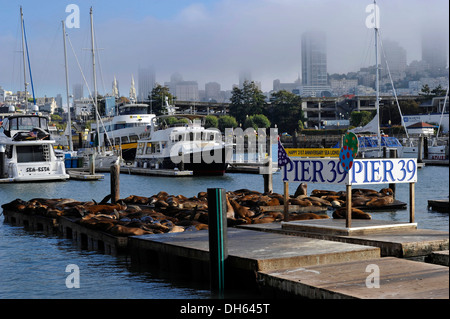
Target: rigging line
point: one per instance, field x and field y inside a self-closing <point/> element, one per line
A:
<point x="393" y="88"/>
<point x="442" y="114"/>
<point x="29" y="65"/>
<point x="89" y="91"/>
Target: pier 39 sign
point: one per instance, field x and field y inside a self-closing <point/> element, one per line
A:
<point x="363" y="171"/>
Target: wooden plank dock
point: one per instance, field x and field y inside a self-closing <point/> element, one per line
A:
<point x="394" y="239"/>
<point x="398" y="279"/>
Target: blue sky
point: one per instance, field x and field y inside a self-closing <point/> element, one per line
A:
<point x="209" y="40"/>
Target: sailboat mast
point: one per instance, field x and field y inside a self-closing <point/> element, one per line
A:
<point x="69" y="120"/>
<point x="377" y="78"/>
<point x="95" y="82"/>
<point x="24" y="62"/>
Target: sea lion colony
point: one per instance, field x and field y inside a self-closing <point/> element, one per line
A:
<point x="162" y="213"/>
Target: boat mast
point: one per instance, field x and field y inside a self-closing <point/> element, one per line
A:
<point x="69" y="121"/>
<point x="95" y="83"/>
<point x="23" y="55"/>
<point x="377" y="80"/>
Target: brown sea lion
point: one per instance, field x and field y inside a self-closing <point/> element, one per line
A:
<point x="300" y="202"/>
<point x="356" y="214"/>
<point x="302" y="189"/>
<point x="119" y="230"/>
<point x="306" y="216"/>
<point x="380" y="201"/>
<point x="240" y="210"/>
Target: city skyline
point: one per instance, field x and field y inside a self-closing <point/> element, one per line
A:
<point x="205" y="41"/>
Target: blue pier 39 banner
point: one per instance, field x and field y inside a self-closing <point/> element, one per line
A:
<point x="363" y="171"/>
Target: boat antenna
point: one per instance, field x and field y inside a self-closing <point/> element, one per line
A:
<point x="442" y="113"/>
<point x="69" y="120"/>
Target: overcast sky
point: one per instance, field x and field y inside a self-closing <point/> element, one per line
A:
<point x="204" y="40"/>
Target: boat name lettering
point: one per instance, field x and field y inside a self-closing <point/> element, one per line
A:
<point x="37" y="169"/>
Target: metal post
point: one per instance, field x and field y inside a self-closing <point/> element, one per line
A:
<point x="286" y="202"/>
<point x="348" y="216"/>
<point x="412" y="204"/>
<point x="218" y="242"/>
<point x="393" y="154"/>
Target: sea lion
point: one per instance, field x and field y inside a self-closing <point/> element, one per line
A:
<point x="302" y="189"/>
<point x="240" y="210"/>
<point x="380" y="201"/>
<point x="306" y="216"/>
<point x="300" y="202"/>
<point x="356" y="214"/>
<point x="119" y="230"/>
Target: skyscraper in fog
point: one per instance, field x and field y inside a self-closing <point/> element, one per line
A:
<point x="77" y="91"/>
<point x="314" y="59"/>
<point x="434" y="50"/>
<point x="146" y="82"/>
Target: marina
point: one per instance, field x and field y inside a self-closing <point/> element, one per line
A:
<point x="190" y="248"/>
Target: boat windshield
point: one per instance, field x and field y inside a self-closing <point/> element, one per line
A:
<point x="27" y="123"/>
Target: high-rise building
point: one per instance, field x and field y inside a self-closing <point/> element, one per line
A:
<point x="395" y="58"/>
<point x="77" y="91"/>
<point x="182" y="90"/>
<point x="434" y="50"/>
<point x="314" y="59"/>
<point x="146" y="83"/>
<point x="212" y="91"/>
<point x="59" y="100"/>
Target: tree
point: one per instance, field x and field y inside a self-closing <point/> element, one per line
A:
<point x="286" y="111"/>
<point x="227" y="121"/>
<point x="257" y="121"/>
<point x="360" y="118"/>
<point x="211" y="121"/>
<point x="246" y="101"/>
<point x="158" y="97"/>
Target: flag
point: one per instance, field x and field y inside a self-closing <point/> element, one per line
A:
<point x="283" y="158"/>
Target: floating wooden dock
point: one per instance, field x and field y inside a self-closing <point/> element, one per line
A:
<point x="394" y="239"/>
<point x="398" y="279"/>
<point x="439" y="205"/>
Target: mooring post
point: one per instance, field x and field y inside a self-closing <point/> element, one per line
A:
<point x="92" y="164"/>
<point x="348" y="216"/>
<point x="115" y="182"/>
<point x="286" y="202"/>
<point x="412" y="204"/>
<point x="218" y="242"/>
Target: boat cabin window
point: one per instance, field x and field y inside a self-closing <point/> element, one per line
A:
<point x="8" y="151"/>
<point x="134" y="138"/>
<point x="30" y="153"/>
<point x="124" y="139"/>
<point x="117" y="141"/>
<point x="27" y="123"/>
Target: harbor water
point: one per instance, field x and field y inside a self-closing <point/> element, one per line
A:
<point x="33" y="265"/>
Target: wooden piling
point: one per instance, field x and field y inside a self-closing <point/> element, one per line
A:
<point x="115" y="182"/>
<point x="412" y="204"/>
<point x="286" y="202"/>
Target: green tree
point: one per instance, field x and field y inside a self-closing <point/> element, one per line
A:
<point x="227" y="121"/>
<point x="285" y="111"/>
<point x="211" y="121"/>
<point x="158" y="97"/>
<point x="257" y="121"/>
<point x="360" y="118"/>
<point x="246" y="101"/>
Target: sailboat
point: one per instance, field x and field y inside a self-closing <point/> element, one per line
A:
<point x="372" y="146"/>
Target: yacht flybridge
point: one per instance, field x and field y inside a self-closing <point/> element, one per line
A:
<point x="26" y="150"/>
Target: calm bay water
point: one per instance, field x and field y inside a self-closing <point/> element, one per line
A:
<point x="32" y="265"/>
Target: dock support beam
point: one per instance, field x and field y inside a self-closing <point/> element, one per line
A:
<point x="218" y="242"/>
